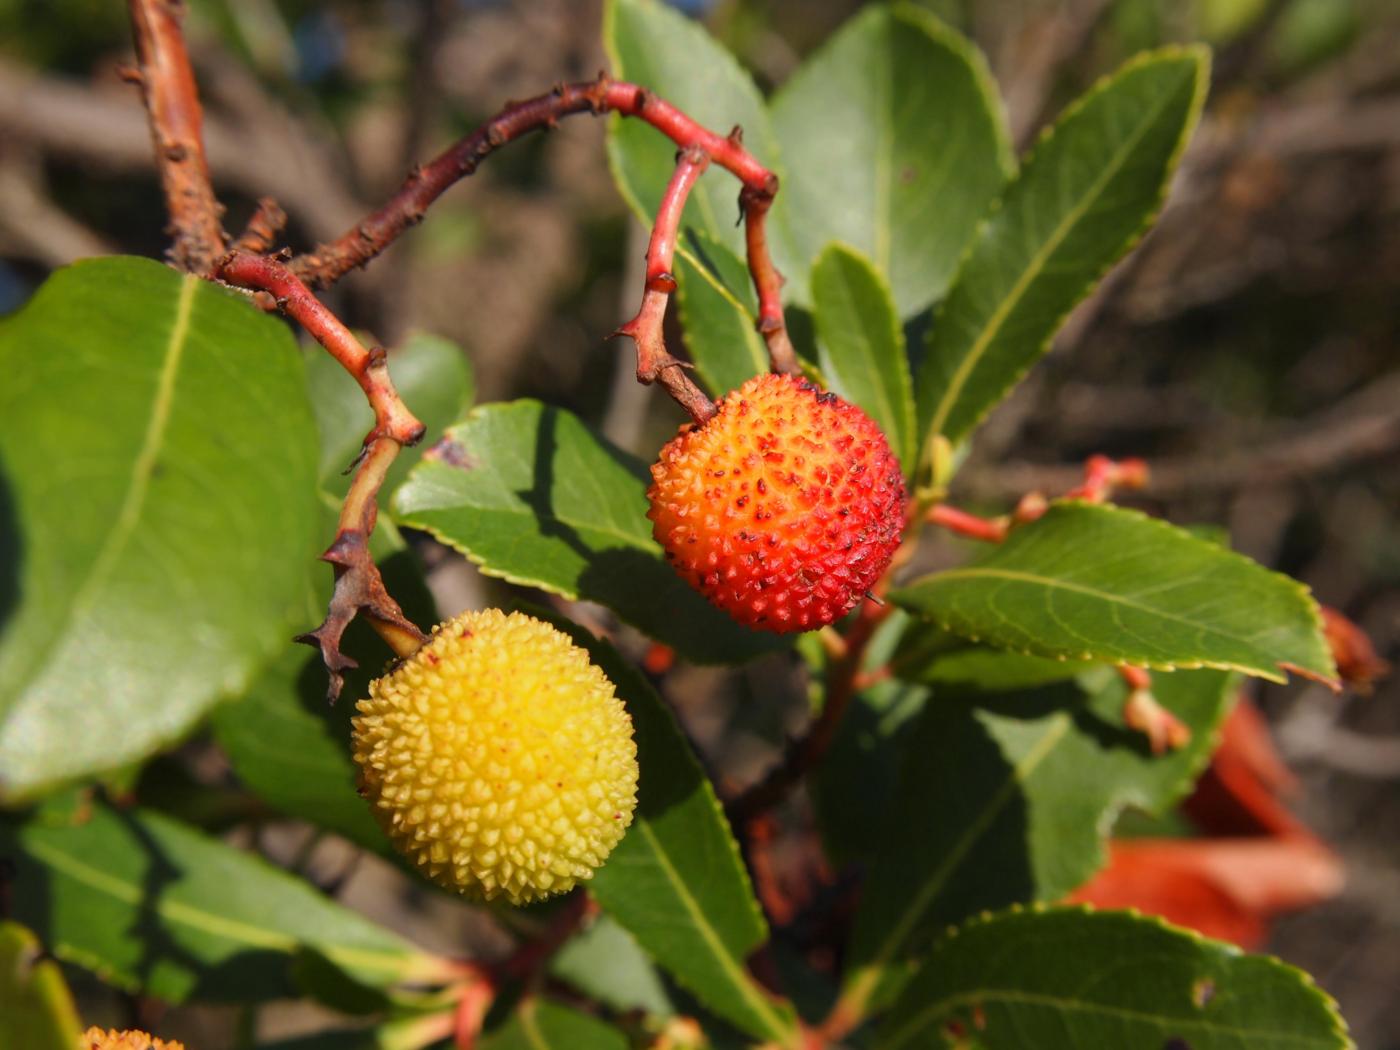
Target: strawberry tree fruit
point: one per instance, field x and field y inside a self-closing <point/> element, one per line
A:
<point x="498" y="758"/>
<point x="784" y="508"/>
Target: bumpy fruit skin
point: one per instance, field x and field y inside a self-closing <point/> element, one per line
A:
<point x="783" y="509"/>
<point x="97" y="1039"/>
<point x="498" y="758"/>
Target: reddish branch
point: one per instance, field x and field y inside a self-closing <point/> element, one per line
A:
<point x="525" y="964"/>
<point x="358" y="586"/>
<point x="261" y="232"/>
<point x="806" y="751"/>
<point x="969" y="526"/>
<point x="654" y="362"/>
<point x="328" y="262"/>
<point x="177" y="122"/>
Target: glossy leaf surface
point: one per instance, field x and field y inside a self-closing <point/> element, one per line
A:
<point x="1028" y="784"/>
<point x="1095" y="582"/>
<point x="531" y="494"/>
<point x="676" y="881"/>
<point x="1064" y="979"/>
<point x="893" y="141"/>
<point x="1084" y="195"/>
<point x="862" y="345"/>
<point x="151" y="904"/>
<point x="157" y="497"/>
<point x="717" y="309"/>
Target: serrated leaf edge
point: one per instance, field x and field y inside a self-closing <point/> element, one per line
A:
<point x="942" y="35"/>
<point x="990" y="917"/>
<point x="1301" y="590"/>
<point x="405" y="967"/>
<point x="748" y="991"/>
<point x="908" y="454"/>
<point x="1201" y="55"/>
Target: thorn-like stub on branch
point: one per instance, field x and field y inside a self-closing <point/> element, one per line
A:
<point x="662" y="282"/>
<point x="358" y="589"/>
<point x="130" y="75"/>
<point x="343" y="547"/>
<point x="736" y="135"/>
<point x="360" y="455"/>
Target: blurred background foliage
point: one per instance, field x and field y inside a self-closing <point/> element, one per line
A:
<point x="1250" y="349"/>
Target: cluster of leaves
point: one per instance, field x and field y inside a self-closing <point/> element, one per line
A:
<point x="170" y="465"/>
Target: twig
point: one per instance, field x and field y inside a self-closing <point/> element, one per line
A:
<point x="525" y="964"/>
<point x="368" y="367"/>
<point x="106" y="129"/>
<point x="969" y="526"/>
<point x="806" y="751"/>
<point x="654" y="362"/>
<point x="261" y="232"/>
<point x="358" y="585"/>
<point x="34" y="225"/>
<point x="177" y="119"/>
<point x="328" y="262"/>
<point x="1362" y="425"/>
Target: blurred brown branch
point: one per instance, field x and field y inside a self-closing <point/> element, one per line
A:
<point x="1358" y="427"/>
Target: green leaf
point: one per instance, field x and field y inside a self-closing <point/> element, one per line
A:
<point x="1069" y="978"/>
<point x="656" y="46"/>
<point x="606" y="964"/>
<point x="531" y="494"/>
<point x="291" y="748"/>
<point x="675" y="882"/>
<point x="1094" y="582"/>
<point x="541" y="1025"/>
<point x="1007" y="797"/>
<point x="36" y="1008"/>
<point x="288" y="745"/>
<point x="894" y="142"/>
<point x="862" y="345"/>
<point x="152" y="905"/>
<point x="1083" y="197"/>
<point x="717" y="311"/>
<point x="932" y="656"/>
<point x="857" y="776"/>
<point x="157" y="496"/>
<point x="431" y="374"/>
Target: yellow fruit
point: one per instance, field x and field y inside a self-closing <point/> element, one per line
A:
<point x="96" y="1039"/>
<point x="498" y="758"/>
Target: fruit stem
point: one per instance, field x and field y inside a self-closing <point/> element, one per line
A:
<point x="327" y="263"/>
<point x="654" y="361"/>
<point x="358" y="584"/>
<point x="805" y="752"/>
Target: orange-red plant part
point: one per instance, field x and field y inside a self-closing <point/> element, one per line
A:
<point x="1256" y="861"/>
<point x="784" y="509"/>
